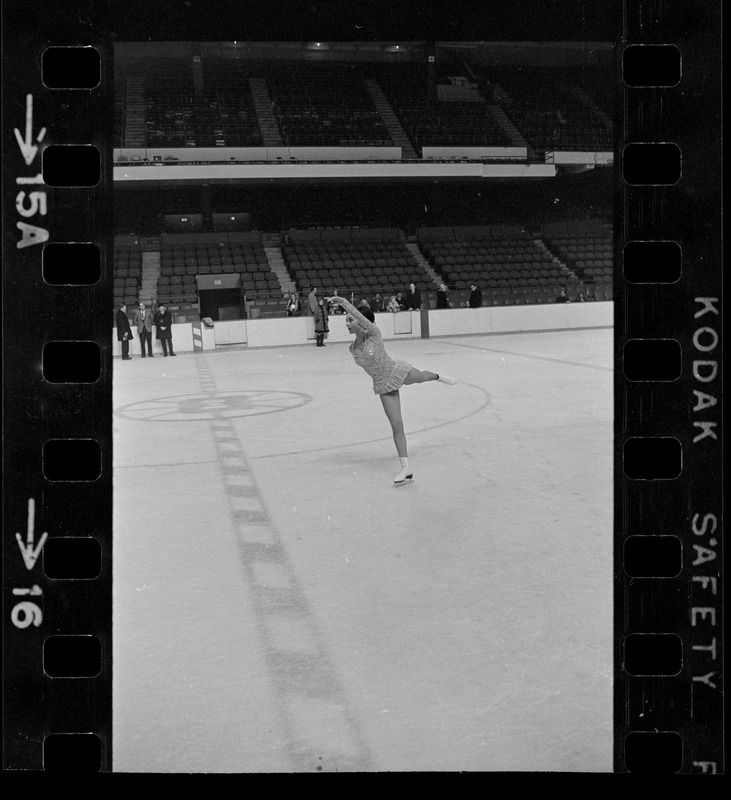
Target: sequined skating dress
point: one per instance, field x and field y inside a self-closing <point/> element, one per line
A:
<point x="369" y="353"/>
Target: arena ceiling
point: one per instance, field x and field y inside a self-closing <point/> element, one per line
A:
<point x="482" y="52"/>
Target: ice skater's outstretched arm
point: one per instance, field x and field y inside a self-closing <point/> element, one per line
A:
<point x="364" y="322"/>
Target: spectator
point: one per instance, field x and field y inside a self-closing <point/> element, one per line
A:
<point x="475" y="298"/>
<point x="563" y="297"/>
<point x="377" y="303"/>
<point x="442" y="296"/>
<point x="312" y="300"/>
<point x="413" y="297"/>
<point x="293" y="305"/>
<point x="393" y="305"/>
<point x="364" y="302"/>
<point x="143" y="320"/>
<point x="321" y="322"/>
<point x="402" y="304"/>
<point x="124" y="332"/>
<point x="580" y="298"/>
<point x="589" y="294"/>
<point x="163" y="323"/>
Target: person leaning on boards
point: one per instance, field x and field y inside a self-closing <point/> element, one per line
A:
<point x="475" y="299"/>
<point x="293" y="305"/>
<point x="413" y="297"/>
<point x="443" y="296"/>
<point x="563" y="297"/>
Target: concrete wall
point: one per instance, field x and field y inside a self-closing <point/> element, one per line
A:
<point x="276" y="171"/>
<point x="474" y="152"/>
<point x="504" y="319"/>
<point x="300" y="330"/>
<point x="183" y="154"/>
<point x="406" y="324"/>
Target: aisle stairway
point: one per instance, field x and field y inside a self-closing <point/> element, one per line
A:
<point x="264" y="113"/>
<point x="516" y="137"/>
<point x="501" y="96"/>
<point x="581" y="95"/>
<point x="273" y="252"/>
<point x="391" y="121"/>
<point x="150" y="247"/>
<point x="415" y="251"/>
<point x="568" y="274"/>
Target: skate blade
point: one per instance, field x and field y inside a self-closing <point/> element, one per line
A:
<point x="404" y="482"/>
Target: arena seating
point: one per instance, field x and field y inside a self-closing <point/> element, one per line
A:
<point x="594" y="84"/>
<point x="327" y="104"/>
<point x="547" y="111"/>
<point x="434" y="122"/>
<point x="184" y="256"/>
<point x="221" y="115"/>
<point x="503" y="260"/>
<point x="119" y="108"/>
<point x="585" y="247"/>
<point x="165" y="100"/>
<point x="228" y="89"/>
<point x="509" y="263"/>
<point x="324" y="105"/>
<point x="353" y="261"/>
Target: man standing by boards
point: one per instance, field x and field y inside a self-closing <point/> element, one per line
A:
<point x="163" y="323"/>
<point x="143" y="320"/>
<point x="475" y="298"/>
<point x="312" y="301"/>
<point x="124" y="332"/>
<point x="413" y="297"/>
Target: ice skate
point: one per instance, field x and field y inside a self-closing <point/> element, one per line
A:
<point x="405" y="477"/>
<point x="447" y="379"/>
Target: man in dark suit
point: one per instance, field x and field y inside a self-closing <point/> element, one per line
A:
<point x="475" y="300"/>
<point x="312" y="301"/>
<point x="413" y="298"/>
<point x="143" y="320"/>
<point x="163" y="323"/>
<point x="124" y="332"/>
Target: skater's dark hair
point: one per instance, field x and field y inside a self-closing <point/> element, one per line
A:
<point x="367" y="313"/>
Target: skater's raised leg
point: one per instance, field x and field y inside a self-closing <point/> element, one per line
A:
<point x="417" y="376"/>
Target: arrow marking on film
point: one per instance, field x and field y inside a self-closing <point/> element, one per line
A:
<point x="27" y="148"/>
<point x="30" y="554"/>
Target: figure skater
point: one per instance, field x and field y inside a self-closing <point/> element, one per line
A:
<point x="388" y="375"/>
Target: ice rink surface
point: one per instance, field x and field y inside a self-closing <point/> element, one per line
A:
<point x="280" y="607"/>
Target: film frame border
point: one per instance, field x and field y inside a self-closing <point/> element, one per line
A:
<point x="652" y="711"/>
<point x="668" y="441"/>
<point x="57" y="412"/>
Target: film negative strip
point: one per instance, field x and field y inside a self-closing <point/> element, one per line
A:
<point x="58" y="104"/>
<point x="668" y="508"/>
